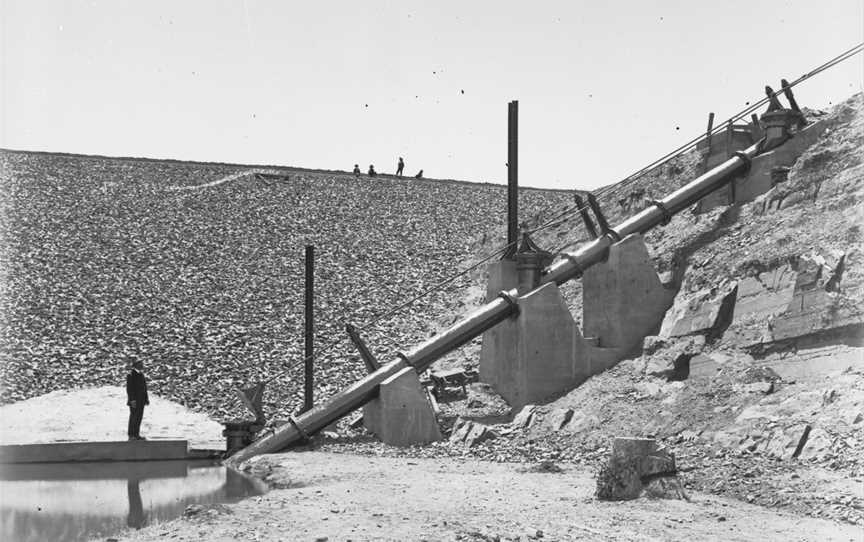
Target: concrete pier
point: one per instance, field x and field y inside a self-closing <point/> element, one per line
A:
<point x="623" y="300"/>
<point x="543" y="353"/>
<point x="530" y="357"/>
<point x="402" y="415"/>
<point x="758" y="179"/>
<point x="502" y="276"/>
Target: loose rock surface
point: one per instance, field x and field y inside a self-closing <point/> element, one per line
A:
<point x="106" y="261"/>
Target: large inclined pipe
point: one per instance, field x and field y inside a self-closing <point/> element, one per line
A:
<point x="422" y="356"/>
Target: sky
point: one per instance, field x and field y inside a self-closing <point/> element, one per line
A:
<point x="604" y="88"/>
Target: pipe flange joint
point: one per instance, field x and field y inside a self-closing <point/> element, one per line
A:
<point x="575" y="263"/>
<point x="743" y="156"/>
<point x="667" y="216"/>
<point x="511" y="299"/>
<point x="404" y="357"/>
<point x="298" y="427"/>
<point x="613" y="235"/>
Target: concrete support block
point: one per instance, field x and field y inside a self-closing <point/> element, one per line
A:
<point x="541" y="352"/>
<point x="741" y="138"/>
<point x="721" y="197"/>
<point x="401" y="415"/>
<point x="530" y="357"/>
<point x="597" y="359"/>
<point x="502" y="276"/>
<point x="623" y="300"/>
<point x="758" y="179"/>
<point x="705" y="312"/>
<point x="548" y="343"/>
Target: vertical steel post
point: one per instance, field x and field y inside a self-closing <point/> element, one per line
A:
<point x="730" y="152"/>
<point x="369" y="360"/>
<point x="309" y="335"/>
<point x="512" y="175"/>
<point x="773" y="103"/>
<point x="586" y="218"/>
<point x="710" y="128"/>
<point x="756" y="131"/>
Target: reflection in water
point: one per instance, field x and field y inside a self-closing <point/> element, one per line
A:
<point x="136" y="507"/>
<point x="79" y="501"/>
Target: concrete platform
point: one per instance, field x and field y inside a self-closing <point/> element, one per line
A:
<point x="98" y="470"/>
<point x="62" y="452"/>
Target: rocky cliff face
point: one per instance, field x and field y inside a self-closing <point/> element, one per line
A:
<point x="756" y="377"/>
<point x="786" y="265"/>
<point x="789" y="263"/>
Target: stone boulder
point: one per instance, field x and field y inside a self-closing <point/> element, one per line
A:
<point x="672" y="361"/>
<point x="460" y="430"/>
<point x="470" y="433"/>
<point x="788" y="443"/>
<point x="559" y="417"/>
<point x="706" y="312"/>
<point x="818" y="446"/>
<point x="525" y="417"/>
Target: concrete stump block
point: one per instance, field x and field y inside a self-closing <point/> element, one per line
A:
<point x="636" y="463"/>
<point x="401" y="415"/>
<point x="633" y="447"/>
<point x="619" y="480"/>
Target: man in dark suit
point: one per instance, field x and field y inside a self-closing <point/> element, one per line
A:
<point x="136" y="398"/>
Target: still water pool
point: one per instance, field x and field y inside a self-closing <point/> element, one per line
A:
<point x="80" y="501"/>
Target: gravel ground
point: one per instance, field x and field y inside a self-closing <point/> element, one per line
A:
<point x="319" y="496"/>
